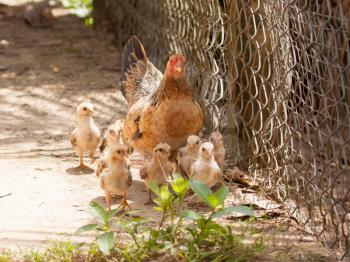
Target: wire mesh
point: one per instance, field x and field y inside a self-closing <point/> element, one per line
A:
<point x="274" y="76"/>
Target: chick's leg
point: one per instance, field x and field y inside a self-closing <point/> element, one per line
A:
<point x="101" y="164"/>
<point x="81" y="165"/>
<point x="108" y="200"/>
<point x="92" y="157"/>
<point x="124" y="202"/>
<point x="150" y="200"/>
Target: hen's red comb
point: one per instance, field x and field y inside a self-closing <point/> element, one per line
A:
<point x="177" y="60"/>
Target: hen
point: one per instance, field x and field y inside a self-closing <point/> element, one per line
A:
<point x="161" y="107"/>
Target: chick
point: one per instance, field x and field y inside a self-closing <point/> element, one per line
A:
<point x="188" y="154"/>
<point x="112" y="137"/>
<point x="86" y="135"/>
<point x="118" y="179"/>
<point x="219" y="150"/>
<point x="157" y="169"/>
<point x="205" y="169"/>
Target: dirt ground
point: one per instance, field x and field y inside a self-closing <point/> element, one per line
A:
<point x="44" y="74"/>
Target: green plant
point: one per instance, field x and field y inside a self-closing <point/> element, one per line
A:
<point x="81" y="8"/>
<point x="106" y="239"/>
<point x="182" y="233"/>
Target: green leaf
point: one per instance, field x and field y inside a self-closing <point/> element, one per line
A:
<point x="165" y="196"/>
<point x="179" y="185"/>
<point x="190" y="215"/>
<point x="86" y="228"/>
<point x="98" y="211"/>
<point x="201" y="190"/>
<point x="221" y="194"/>
<point x="106" y="242"/>
<point x="113" y="212"/>
<point x="213" y="201"/>
<point x="154" y="187"/>
<point x="228" y="210"/>
<point x="157" y="208"/>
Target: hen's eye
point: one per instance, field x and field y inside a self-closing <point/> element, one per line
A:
<point x="118" y="151"/>
<point x="203" y="149"/>
<point x="197" y="142"/>
<point x="160" y="149"/>
<point x="84" y="108"/>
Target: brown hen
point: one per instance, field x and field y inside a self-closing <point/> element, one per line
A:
<point x="161" y="107"/>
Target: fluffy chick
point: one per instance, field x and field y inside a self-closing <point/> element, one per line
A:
<point x="219" y="150"/>
<point x="157" y="169"/>
<point x="118" y="179"/>
<point x="86" y="135"/>
<point x="188" y="154"/>
<point x="112" y="137"/>
<point x="205" y="169"/>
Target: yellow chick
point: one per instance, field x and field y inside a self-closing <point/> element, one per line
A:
<point x="205" y="169"/>
<point x="219" y="150"/>
<point x="158" y="169"/>
<point x="188" y="154"/>
<point x="112" y="137"/>
<point x="86" y="135"/>
<point x="118" y="179"/>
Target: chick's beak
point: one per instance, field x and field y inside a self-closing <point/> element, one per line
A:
<point x="91" y="112"/>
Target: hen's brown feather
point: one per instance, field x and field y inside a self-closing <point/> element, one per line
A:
<point x="161" y="108"/>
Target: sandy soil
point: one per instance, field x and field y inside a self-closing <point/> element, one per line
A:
<point x="44" y="74"/>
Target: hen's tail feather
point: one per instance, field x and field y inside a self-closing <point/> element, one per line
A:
<point x="133" y="53"/>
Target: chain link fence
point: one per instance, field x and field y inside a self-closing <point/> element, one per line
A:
<point x="275" y="78"/>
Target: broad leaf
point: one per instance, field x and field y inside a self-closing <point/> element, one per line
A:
<point x="113" y="212"/>
<point x="98" y="211"/>
<point x="201" y="190"/>
<point x="165" y="196"/>
<point x="221" y="194"/>
<point x="228" y="210"/>
<point x="106" y="242"/>
<point x="157" y="208"/>
<point x="179" y="185"/>
<point x="190" y="215"/>
<point x="86" y="228"/>
<point x="213" y="201"/>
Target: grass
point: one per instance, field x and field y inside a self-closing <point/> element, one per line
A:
<point x="69" y="251"/>
<point x="57" y="251"/>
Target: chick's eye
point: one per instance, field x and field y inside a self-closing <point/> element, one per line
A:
<point x="203" y="149"/>
<point x="160" y="149"/>
<point x="84" y="108"/>
<point x="118" y="151"/>
<point x="197" y="142"/>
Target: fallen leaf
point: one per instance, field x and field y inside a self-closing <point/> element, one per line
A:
<point x="54" y="68"/>
<point x="238" y="176"/>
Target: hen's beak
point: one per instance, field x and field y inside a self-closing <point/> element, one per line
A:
<point x="178" y="69"/>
